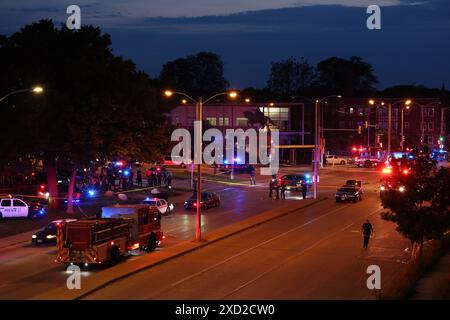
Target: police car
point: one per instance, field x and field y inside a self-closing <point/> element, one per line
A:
<point x="163" y="206"/>
<point x="17" y="208"/>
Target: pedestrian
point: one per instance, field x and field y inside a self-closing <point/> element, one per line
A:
<point x="283" y="191"/>
<point x="271" y="189"/>
<point x="304" y="189"/>
<point x="252" y="175"/>
<point x="277" y="189"/>
<point x="130" y="179"/>
<point x="367" y="231"/>
<point x="139" y="178"/>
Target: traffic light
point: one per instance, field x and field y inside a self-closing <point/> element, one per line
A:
<point x="441" y="139"/>
<point x="359" y="129"/>
<point x="366" y="124"/>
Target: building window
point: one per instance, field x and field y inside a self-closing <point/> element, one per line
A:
<point x="241" y="122"/>
<point x="350" y="110"/>
<point x="431" y="112"/>
<point x="430" y="126"/>
<point x="361" y="111"/>
<point x="224" y="121"/>
<point x="212" y="121"/>
<point x="406" y="125"/>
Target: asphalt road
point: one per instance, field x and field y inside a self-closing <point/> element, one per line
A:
<point x="27" y="271"/>
<point x="314" y="253"/>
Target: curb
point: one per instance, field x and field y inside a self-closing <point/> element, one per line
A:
<point x="199" y="246"/>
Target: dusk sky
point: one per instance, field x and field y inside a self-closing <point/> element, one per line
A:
<point x="412" y="47"/>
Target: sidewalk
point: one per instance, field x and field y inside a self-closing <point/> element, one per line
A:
<point x="434" y="282"/>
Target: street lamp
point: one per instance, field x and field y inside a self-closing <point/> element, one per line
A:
<point x="199" y="115"/>
<point x="35" y="90"/>
<point x="317" y="136"/>
<point x="402" y="136"/>
<point x="407" y="102"/>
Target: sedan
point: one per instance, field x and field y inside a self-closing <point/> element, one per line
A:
<point x="208" y="200"/>
<point x="49" y="232"/>
<point x="348" y="193"/>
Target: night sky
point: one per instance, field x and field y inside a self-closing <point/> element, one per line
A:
<point x="412" y="47"/>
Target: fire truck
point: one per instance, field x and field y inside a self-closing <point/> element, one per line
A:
<point x="122" y="229"/>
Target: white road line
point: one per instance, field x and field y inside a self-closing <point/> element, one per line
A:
<point x="256" y="246"/>
<point x="292" y="257"/>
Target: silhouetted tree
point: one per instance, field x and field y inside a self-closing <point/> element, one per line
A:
<point x="290" y="77"/>
<point x="198" y="75"/>
<point x="95" y="104"/>
<point x="347" y="77"/>
<point x="422" y="211"/>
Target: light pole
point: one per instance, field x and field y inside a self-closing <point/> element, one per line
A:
<point x="390" y="104"/>
<point x="402" y="138"/>
<point x="36" y="90"/>
<point x="316" y="137"/>
<point x="199" y="115"/>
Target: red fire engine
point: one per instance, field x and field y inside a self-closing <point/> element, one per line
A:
<point x="122" y="229"/>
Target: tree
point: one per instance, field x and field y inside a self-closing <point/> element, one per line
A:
<point x="347" y="77"/>
<point x="96" y="105"/>
<point x="422" y="212"/>
<point x="198" y="75"/>
<point x="290" y="77"/>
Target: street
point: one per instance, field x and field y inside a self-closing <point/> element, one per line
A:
<point x="317" y="250"/>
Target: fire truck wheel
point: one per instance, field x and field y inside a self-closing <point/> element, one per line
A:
<point x="115" y="255"/>
<point x="151" y="246"/>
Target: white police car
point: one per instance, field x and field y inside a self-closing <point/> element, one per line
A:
<point x="17" y="208"/>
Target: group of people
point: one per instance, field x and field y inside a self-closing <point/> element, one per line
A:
<point x="157" y="177"/>
<point x="279" y="189"/>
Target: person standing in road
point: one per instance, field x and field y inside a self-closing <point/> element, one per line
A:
<point x="139" y="178"/>
<point x="304" y="189"/>
<point x="367" y="231"/>
<point x="252" y="175"/>
<point x="271" y="189"/>
<point x="283" y="191"/>
<point x="277" y="189"/>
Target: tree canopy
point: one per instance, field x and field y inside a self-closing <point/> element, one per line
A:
<point x="422" y="212"/>
<point x="95" y="104"/>
<point x="198" y="75"/>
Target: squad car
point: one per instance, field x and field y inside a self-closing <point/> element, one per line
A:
<point x="17" y="208"/>
<point x="294" y="181"/>
<point x="49" y="232"/>
<point x="163" y="206"/>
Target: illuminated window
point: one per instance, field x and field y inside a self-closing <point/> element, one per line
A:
<point x="212" y="121"/>
<point x="241" y="122"/>
<point x="224" y="121"/>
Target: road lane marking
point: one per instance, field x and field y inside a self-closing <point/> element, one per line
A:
<point x="293" y="257"/>
<point x="256" y="246"/>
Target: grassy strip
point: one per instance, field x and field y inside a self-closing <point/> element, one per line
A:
<point x="408" y="277"/>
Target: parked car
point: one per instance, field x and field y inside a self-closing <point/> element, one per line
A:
<point x="177" y="161"/>
<point x="49" y="232"/>
<point x="348" y="193"/>
<point x="208" y="200"/>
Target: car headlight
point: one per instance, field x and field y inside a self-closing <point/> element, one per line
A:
<point x="401" y="189"/>
<point x="50" y="236"/>
<point x="171" y="206"/>
<point x="34" y="236"/>
<point x="382" y="188"/>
